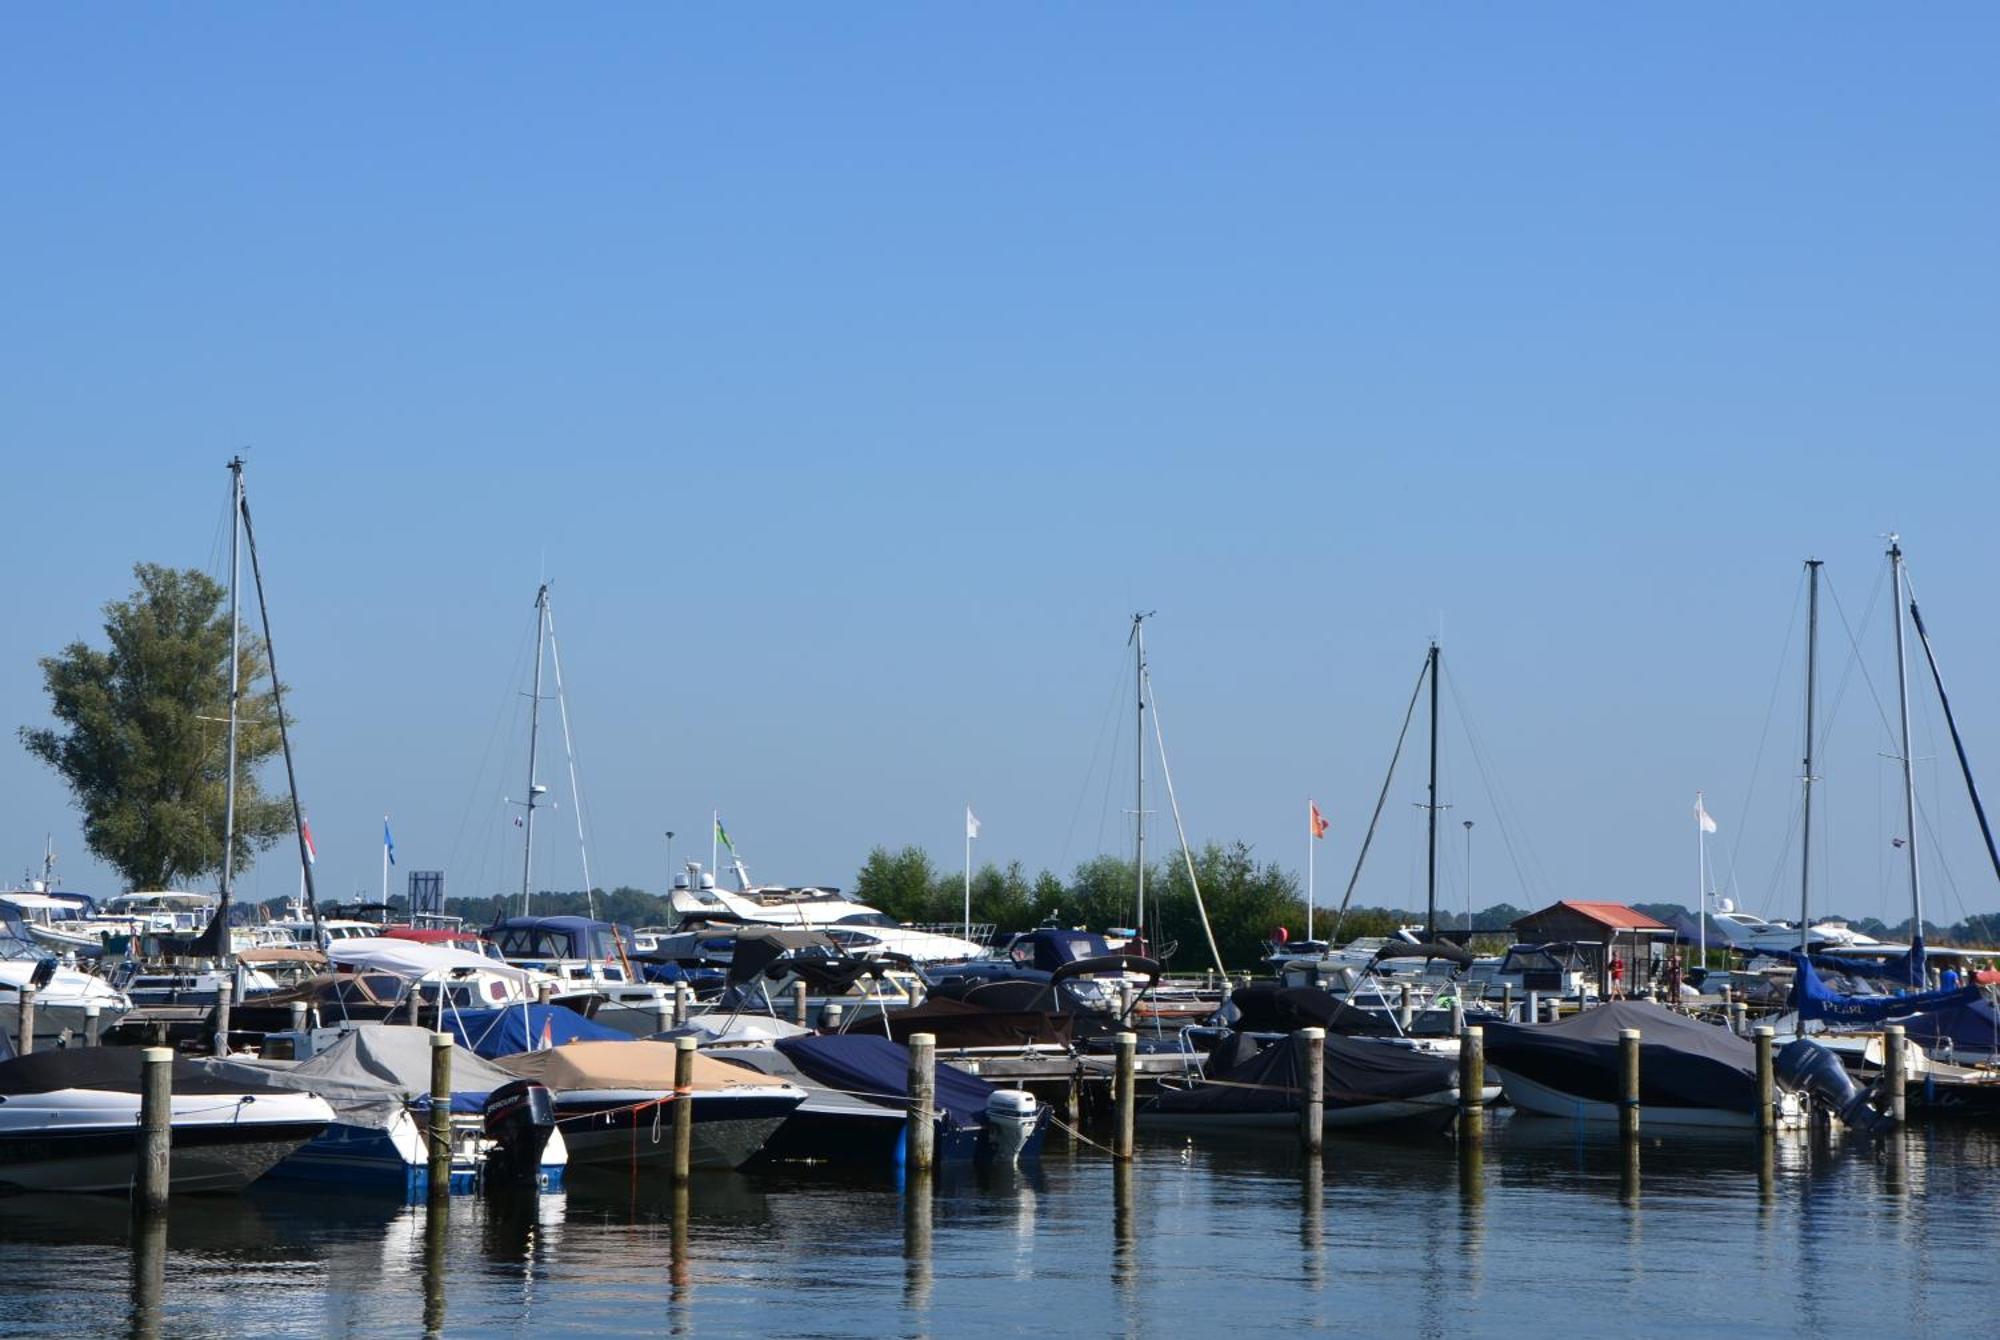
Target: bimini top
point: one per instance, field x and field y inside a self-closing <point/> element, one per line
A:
<point x="559" y="938"/>
<point x="413" y="958"/>
<point x="635" y="1065"/>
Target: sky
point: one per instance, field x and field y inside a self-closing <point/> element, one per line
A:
<point x="855" y="373"/>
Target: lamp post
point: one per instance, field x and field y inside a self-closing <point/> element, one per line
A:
<point x="670" y="860"/>
<point x="1468" y="881"/>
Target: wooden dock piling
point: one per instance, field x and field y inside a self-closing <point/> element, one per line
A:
<point x="225" y="995"/>
<point x="1127" y="1094"/>
<point x="1628" y="1081"/>
<point x="1312" y="1107"/>
<point x="1767" y="1080"/>
<point x="156" y="1129"/>
<point x="24" y="1036"/>
<point x="799" y="1003"/>
<point x="1895" y="1068"/>
<point x="1471" y="1084"/>
<point x="93" y="1022"/>
<point x="440" y="1128"/>
<point x="922" y="1127"/>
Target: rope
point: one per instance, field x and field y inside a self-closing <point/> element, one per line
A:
<point x="1075" y="1134"/>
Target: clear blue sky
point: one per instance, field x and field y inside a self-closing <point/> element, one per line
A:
<point x="855" y="372"/>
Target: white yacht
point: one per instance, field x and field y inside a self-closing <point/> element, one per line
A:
<point x="856" y="927"/>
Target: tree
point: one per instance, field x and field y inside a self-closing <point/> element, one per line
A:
<point x="143" y="730"/>
<point x="903" y="884"/>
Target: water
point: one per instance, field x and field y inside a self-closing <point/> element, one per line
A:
<point x="1547" y="1231"/>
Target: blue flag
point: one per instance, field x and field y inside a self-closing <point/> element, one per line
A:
<point x="388" y="843"/>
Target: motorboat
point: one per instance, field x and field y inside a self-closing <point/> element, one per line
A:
<point x="64" y="996"/>
<point x="69" y="1121"/>
<point x="376" y="1077"/>
<point x="584" y="955"/>
<point x="1371" y="1083"/>
<point x="1691" y="1074"/>
<point x="615" y="1101"/>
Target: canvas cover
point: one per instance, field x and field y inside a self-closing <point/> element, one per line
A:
<point x="631" y="1064"/>
<point x="113" y="1069"/>
<point x="373" y="1072"/>
<point x="1266" y="1007"/>
<point x="1242" y="1079"/>
<point x="520" y="1028"/>
<point x="1682" y="1063"/>
<point x="1814" y="999"/>
<point x="1971" y="1029"/>
<point x="867" y="1064"/>
<point x="414" y="959"/>
<point x="958" y="1023"/>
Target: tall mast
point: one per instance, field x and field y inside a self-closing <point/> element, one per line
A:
<point x="1138" y="640"/>
<point x="1431" y="876"/>
<point x="222" y="907"/>
<point x="1806" y="781"/>
<point x="534" y="730"/>
<point x="1909" y="773"/>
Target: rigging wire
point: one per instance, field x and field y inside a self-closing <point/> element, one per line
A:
<point x="1112" y="718"/>
<point x="569" y="752"/>
<point x="1764" y="736"/>
<point x="1381" y="797"/>
<point x="1502" y="815"/>
<point x="496" y="733"/>
<point x="1187" y="856"/>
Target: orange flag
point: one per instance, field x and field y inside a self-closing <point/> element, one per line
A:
<point x="1319" y="824"/>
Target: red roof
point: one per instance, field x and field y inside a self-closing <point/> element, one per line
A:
<point x="1614" y="915"/>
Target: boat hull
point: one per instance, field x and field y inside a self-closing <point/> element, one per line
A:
<point x="1423" y="1114"/>
<point x="617" y="1128"/>
<point x="1537" y="1099"/>
<point x="205" y="1158"/>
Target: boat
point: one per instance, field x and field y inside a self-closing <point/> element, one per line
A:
<point x="64" y="996"/>
<point x="1376" y="1084"/>
<point x="584" y="955"/>
<point x="615" y="1100"/>
<point x="69" y="1121"/>
<point x="855" y="926"/>
<point x="1691" y="1074"/>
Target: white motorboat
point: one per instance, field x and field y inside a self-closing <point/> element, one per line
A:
<point x="69" y="1121"/>
<point x="63" y="995"/>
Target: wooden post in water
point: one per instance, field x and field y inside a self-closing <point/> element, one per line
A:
<point x="683" y="1109"/>
<point x="1312" y="1107"/>
<point x="545" y="992"/>
<point x="93" y="1022"/>
<point x="224" y="996"/>
<point x="681" y="1009"/>
<point x="1507" y="1001"/>
<point x="1533" y="1009"/>
<point x="1895" y="1052"/>
<point x="1628" y="1081"/>
<point x="922" y="1128"/>
<point x="298" y="1016"/>
<point x="1767" y="1079"/>
<point x="799" y="1003"/>
<point x="1125" y="1003"/>
<point x="1471" y="1083"/>
<point x="829" y="1018"/>
<point x="1126" y="1095"/>
<point x="1403" y="1014"/>
<point x="1737" y="1017"/>
<point x="663" y="1013"/>
<point x="156" y="1128"/>
<point x="440" y="1141"/>
<point x="24" y="1035"/>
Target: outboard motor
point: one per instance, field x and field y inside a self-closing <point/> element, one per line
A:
<point x="519" y="1118"/>
<point x="1012" y="1118"/>
<point x="1804" y="1064"/>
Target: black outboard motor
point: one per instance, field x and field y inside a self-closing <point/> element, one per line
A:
<point x="520" y="1117"/>
<point x="1804" y="1064"/>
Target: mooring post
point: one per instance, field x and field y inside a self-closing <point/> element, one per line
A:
<point x="225" y="994"/>
<point x="663" y="1013"/>
<point x="1533" y="1009"/>
<point x="1628" y="1081"/>
<point x="93" y="1021"/>
<point x="1738" y="1018"/>
<point x="683" y="1109"/>
<point x="922" y="1127"/>
<point x="681" y="1008"/>
<point x="440" y="1142"/>
<point x="829" y="1018"/>
<point x="1471" y="1084"/>
<point x="1126" y="1095"/>
<point x="1767" y="1079"/>
<point x="1507" y="1001"/>
<point x="156" y="1127"/>
<point x="545" y="992"/>
<point x="298" y="1016"/>
<point x="1312" y="1109"/>
<point x="1895" y="1062"/>
<point x="1403" y="1014"/>
<point x="799" y="1003"/>
<point x="24" y="1035"/>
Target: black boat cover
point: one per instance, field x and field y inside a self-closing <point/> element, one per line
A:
<point x="1358" y="1072"/>
<point x="960" y="1023"/>
<point x="1682" y="1063"/>
<point x="878" y="1068"/>
<point x="113" y="1069"/>
<point x="1266" y="1007"/>
<point x="1425" y="949"/>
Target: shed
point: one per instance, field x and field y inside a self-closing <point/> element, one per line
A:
<point x="1604" y="931"/>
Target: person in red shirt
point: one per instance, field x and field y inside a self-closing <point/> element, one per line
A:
<point x="1617" y="978"/>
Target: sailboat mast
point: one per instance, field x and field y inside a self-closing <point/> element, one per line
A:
<point x="1431" y="874"/>
<point x="223" y="904"/>
<point x="1805" y="823"/>
<point x="534" y="730"/>
<point x="1909" y="771"/>
<point x="1139" y="740"/>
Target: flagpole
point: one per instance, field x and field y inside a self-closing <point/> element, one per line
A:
<point x="968" y="872"/>
<point x="714" y="842"/>
<point x="385" y="860"/>
<point x="1309" y="868"/>
<point x="1701" y="876"/>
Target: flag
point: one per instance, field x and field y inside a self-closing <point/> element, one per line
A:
<point x="723" y="834"/>
<point x="971" y="823"/>
<point x="1317" y="820"/>
<point x="548" y="1034"/>
<point x="388" y="843"/>
<point x="306" y="835"/>
<point x="1701" y="815"/>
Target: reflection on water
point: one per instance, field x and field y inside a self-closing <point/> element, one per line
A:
<point x="1537" y="1222"/>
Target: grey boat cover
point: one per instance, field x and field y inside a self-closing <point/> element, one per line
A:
<point x="1682" y="1063"/>
<point x="371" y="1074"/>
<point x="1240" y="1079"/>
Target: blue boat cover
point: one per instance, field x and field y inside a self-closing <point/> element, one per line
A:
<point x="1814" y="999"/>
<point x="521" y="1028"/>
<point x="866" y="1064"/>
<point x="1970" y="1028"/>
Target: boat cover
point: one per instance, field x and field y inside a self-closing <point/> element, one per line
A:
<point x="415" y="959"/>
<point x="958" y="1023"/>
<point x="1971" y="1027"/>
<point x="865" y="1064"/>
<point x="373" y="1072"/>
<point x="1359" y="1071"/>
<point x="1682" y="1063"/>
<point x="1425" y="949"/>
<point x="631" y="1064"/>
<point x="520" y="1028"/>
<point x="1814" y="999"/>
<point x="113" y="1069"/>
<point x="1267" y="1007"/>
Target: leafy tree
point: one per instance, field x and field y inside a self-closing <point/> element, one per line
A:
<point x="1246" y="903"/>
<point x="142" y="733"/>
<point x="904" y="884"/>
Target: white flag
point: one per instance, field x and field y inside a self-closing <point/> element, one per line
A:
<point x="971" y="823"/>
<point x="1701" y="815"/>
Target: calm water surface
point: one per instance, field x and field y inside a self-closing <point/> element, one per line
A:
<point x="1546" y="1232"/>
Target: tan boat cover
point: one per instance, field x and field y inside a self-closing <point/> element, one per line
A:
<point x="624" y="1065"/>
